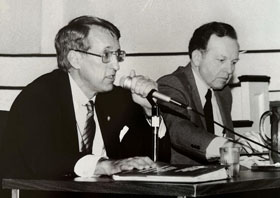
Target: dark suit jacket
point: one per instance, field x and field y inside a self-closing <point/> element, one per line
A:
<point x="41" y="138"/>
<point x="188" y="135"/>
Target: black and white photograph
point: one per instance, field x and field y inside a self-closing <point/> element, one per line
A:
<point x="139" y="98"/>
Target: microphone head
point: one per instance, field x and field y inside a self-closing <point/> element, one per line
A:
<point x="125" y="82"/>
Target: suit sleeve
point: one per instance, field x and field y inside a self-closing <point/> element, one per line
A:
<point x="36" y="139"/>
<point x="187" y="135"/>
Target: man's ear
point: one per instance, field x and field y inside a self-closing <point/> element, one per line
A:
<point x="196" y="57"/>
<point x="74" y="59"/>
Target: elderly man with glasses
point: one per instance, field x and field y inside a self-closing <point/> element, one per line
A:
<point x="74" y="120"/>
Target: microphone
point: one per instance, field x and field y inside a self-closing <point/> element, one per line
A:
<point x="125" y="82"/>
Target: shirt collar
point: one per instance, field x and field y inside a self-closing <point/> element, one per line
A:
<point x="78" y="95"/>
<point x="200" y="83"/>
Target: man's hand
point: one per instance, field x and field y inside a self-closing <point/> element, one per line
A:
<point x="109" y="167"/>
<point x="140" y="88"/>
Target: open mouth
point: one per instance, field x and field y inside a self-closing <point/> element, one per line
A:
<point x="111" y="77"/>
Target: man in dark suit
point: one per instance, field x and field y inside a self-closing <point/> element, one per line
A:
<point x="213" y="51"/>
<point x="48" y="132"/>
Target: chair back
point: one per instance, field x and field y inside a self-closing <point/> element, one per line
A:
<point x="3" y="121"/>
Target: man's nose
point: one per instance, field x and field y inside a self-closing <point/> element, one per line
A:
<point x="115" y="63"/>
<point x="230" y="67"/>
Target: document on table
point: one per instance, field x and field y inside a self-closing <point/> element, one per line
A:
<point x="175" y="173"/>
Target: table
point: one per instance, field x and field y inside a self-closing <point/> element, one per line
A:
<point x="248" y="181"/>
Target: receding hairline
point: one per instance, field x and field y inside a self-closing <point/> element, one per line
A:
<point x="99" y="28"/>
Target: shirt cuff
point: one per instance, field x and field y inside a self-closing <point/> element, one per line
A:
<point x="85" y="167"/>
<point x="213" y="149"/>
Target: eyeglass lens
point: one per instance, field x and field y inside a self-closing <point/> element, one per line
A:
<point x="106" y="57"/>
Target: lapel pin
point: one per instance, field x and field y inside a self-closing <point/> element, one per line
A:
<point x="108" y="118"/>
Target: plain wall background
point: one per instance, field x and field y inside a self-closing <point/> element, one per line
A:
<point x="29" y="26"/>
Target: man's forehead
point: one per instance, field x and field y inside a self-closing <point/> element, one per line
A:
<point x="101" y="36"/>
<point x="224" y="44"/>
<point x="98" y="31"/>
<point x="215" y="40"/>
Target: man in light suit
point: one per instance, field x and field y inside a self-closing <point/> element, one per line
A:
<point x="213" y="51"/>
<point x="44" y="136"/>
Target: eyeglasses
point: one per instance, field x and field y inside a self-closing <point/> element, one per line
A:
<point x="107" y="55"/>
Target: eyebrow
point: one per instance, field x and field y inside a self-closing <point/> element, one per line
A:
<point x="237" y="59"/>
<point x="109" y="48"/>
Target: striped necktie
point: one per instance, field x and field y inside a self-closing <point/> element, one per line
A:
<point x="89" y="130"/>
<point x="208" y="112"/>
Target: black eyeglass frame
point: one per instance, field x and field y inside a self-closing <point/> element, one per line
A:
<point x="105" y="58"/>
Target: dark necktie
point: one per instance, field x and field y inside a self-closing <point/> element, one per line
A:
<point x="89" y="130"/>
<point x="208" y="112"/>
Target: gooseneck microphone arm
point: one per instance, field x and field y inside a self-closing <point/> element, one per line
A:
<point x="182" y="105"/>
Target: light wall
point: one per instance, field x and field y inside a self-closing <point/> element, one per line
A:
<point x="29" y="26"/>
<point x="20" y="25"/>
<point x="146" y="25"/>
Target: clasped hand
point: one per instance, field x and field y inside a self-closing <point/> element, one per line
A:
<point x="140" y="88"/>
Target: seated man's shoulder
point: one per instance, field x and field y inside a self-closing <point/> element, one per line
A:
<point x="172" y="77"/>
<point x="46" y="80"/>
<point x="42" y="87"/>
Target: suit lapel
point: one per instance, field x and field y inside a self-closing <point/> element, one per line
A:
<point x="194" y="91"/>
<point x="224" y="110"/>
<point x="107" y="122"/>
<point x="67" y="109"/>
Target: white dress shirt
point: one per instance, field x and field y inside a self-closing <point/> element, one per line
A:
<point x="85" y="167"/>
<point x="214" y="146"/>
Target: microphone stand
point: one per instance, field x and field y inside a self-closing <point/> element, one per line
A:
<point x="155" y="122"/>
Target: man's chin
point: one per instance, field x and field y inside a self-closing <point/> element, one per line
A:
<point x="110" y="87"/>
<point x="219" y="86"/>
<point x="106" y="88"/>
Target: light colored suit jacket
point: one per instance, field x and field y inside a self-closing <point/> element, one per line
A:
<point x="187" y="130"/>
